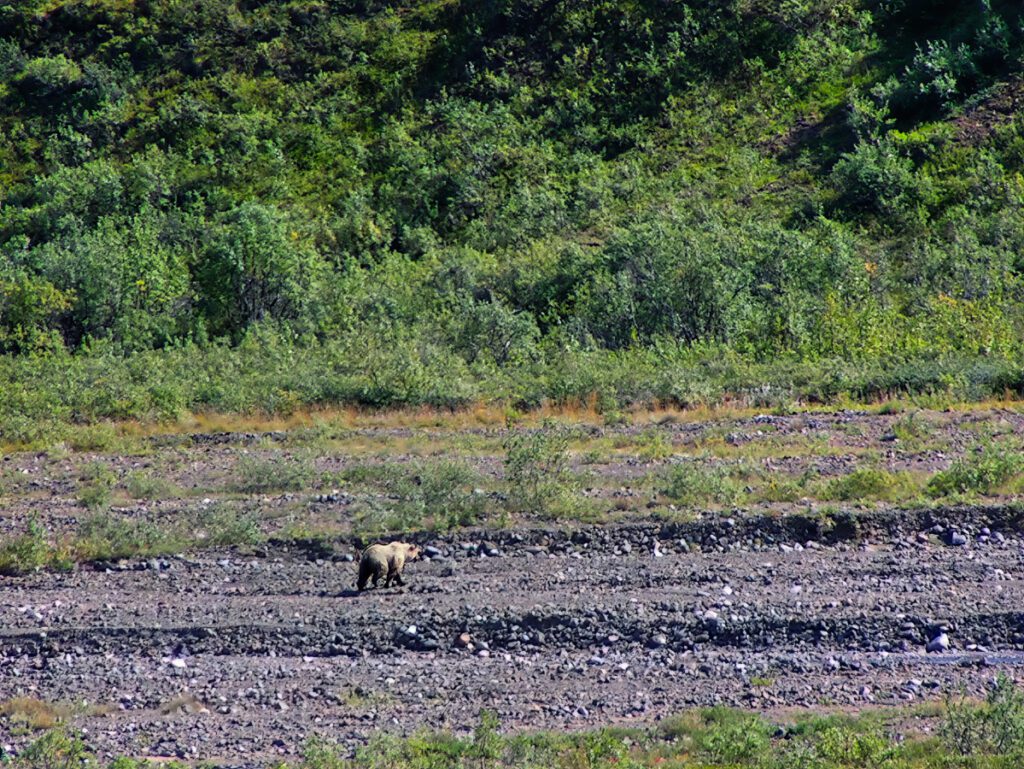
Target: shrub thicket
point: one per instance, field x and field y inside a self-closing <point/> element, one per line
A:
<point x="438" y="202"/>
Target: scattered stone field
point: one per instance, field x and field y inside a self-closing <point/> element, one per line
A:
<point x="238" y="654"/>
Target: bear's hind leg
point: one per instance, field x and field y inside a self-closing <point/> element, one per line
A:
<point x="378" y="572"/>
<point x="364" y="576"/>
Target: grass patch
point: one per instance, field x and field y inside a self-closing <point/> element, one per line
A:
<point x="693" y="484"/>
<point x="29" y="713"/>
<point x="147" y="485"/>
<point x="653" y="445"/>
<point x="107" y="537"/>
<point x="102" y="436"/>
<point x="778" y="488"/>
<point x="970" y="736"/>
<point x="222" y="525"/>
<point x="869" y="483"/>
<point x="262" y="475"/>
<point x="427" y="493"/>
<point x="97" y="486"/>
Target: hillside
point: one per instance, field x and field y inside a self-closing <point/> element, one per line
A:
<point x="478" y="190"/>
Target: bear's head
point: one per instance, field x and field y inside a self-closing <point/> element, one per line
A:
<point x="412" y="552"/>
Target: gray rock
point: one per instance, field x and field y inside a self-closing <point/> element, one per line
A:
<point x="938" y="644"/>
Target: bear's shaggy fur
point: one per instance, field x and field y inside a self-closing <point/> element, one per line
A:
<point x="380" y="560"/>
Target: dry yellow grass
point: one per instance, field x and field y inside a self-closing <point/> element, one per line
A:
<point x="496" y="415"/>
<point x="34" y="714"/>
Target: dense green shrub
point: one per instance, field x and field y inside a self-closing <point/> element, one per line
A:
<point x="693" y="484"/>
<point x="982" y="472"/>
<point x="995" y="728"/>
<point x="537" y="472"/>
<point x="438" y="203"/>
<point x="31" y="551"/>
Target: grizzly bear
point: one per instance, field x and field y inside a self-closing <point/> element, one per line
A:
<point x="380" y="559"/>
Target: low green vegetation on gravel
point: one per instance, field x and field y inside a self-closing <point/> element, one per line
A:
<point x="965" y="735"/>
<point x="108" y="492"/>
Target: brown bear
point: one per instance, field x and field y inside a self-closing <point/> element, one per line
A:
<point x="380" y="560"/>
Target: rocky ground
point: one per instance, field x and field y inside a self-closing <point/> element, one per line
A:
<point x="238" y="655"/>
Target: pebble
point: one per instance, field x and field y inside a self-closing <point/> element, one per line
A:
<point x="938" y="644"/>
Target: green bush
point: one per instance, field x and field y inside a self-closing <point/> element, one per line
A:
<point x="95" y="496"/>
<point x="97" y="489"/>
<point x="56" y="748"/>
<point x="870" y="483"/>
<point x="31" y="551"/>
<point x="537" y="472"/>
<point x="693" y="484"/>
<point x="995" y="728"/>
<point x="736" y="742"/>
<point x="256" y="267"/>
<point x="982" y="472"/>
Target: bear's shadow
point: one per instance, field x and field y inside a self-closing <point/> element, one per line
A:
<point x="354" y="593"/>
